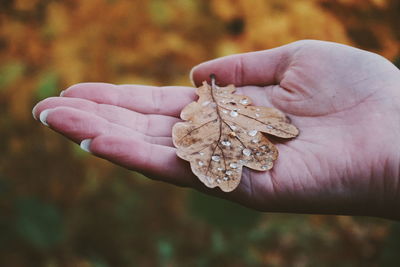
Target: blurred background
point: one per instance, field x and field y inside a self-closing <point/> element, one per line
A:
<point x="61" y="207"/>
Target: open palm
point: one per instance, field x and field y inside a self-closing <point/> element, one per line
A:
<point x="345" y="102"/>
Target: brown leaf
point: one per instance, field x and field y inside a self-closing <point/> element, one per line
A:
<point x="223" y="133"/>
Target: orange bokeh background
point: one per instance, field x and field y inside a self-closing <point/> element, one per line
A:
<point x="61" y="207"/>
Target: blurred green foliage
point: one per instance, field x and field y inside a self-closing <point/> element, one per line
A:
<point x="222" y="214"/>
<point x="390" y="254"/>
<point x="38" y="223"/>
<point x="10" y="72"/>
<point x="61" y="207"/>
<point x="48" y="85"/>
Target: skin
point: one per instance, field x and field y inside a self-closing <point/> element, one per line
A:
<point x="345" y="101"/>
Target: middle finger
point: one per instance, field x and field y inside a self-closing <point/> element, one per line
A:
<point x="148" y="124"/>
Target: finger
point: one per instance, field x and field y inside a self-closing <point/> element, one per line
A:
<point x="255" y="68"/>
<point x="155" y="161"/>
<point x="151" y="125"/>
<point x="78" y="125"/>
<point x="139" y="98"/>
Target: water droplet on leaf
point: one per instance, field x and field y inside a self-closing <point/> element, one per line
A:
<point x="246" y="152"/>
<point x="216" y="158"/>
<point x="244" y="101"/>
<point x="252" y="133"/>
<point x="233" y="165"/>
<point x="234" y="113"/>
<point x="226" y="143"/>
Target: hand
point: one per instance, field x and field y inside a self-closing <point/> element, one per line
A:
<point x="345" y="102"/>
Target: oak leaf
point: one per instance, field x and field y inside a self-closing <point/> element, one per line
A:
<point x="222" y="133"/>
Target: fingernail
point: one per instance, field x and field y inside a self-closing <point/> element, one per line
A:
<point x="85" y="144"/>
<point x="43" y="116"/>
<point x="191" y="76"/>
<point x="33" y="112"/>
<point x="62" y="93"/>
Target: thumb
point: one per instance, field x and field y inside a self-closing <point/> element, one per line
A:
<point x="255" y="68"/>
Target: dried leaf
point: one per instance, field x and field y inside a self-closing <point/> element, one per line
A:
<point x="223" y="133"/>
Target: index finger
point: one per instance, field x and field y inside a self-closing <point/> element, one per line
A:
<point x="169" y="100"/>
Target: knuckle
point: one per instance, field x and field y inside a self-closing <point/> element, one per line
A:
<point x="157" y="99"/>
